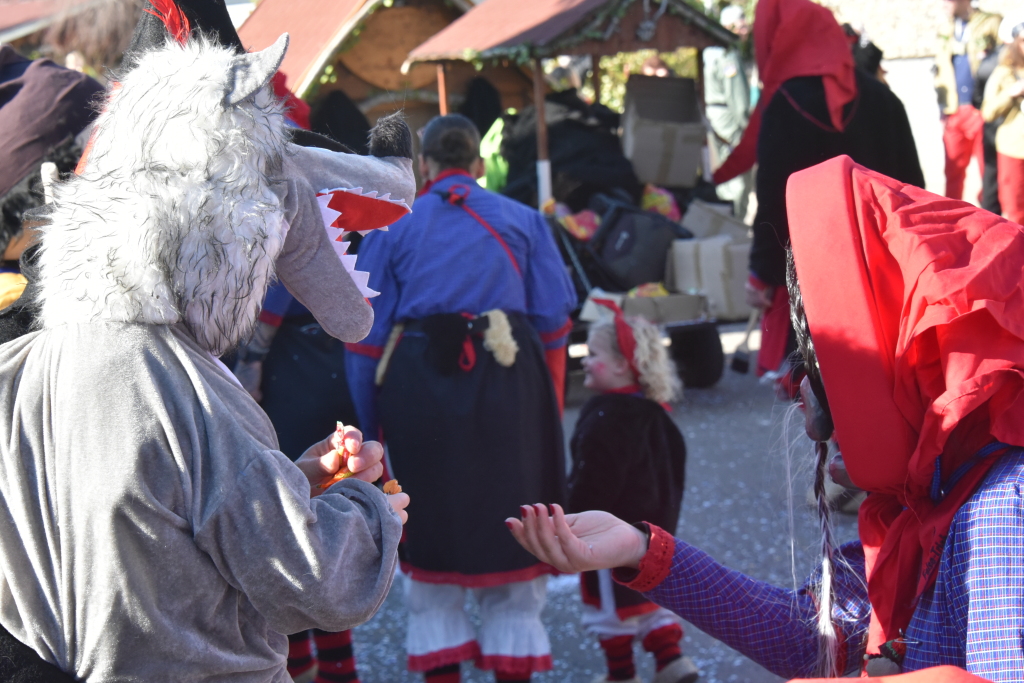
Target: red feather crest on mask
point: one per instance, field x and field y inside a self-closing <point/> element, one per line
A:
<point x="172" y="17"/>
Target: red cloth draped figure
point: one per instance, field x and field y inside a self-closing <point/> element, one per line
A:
<point x="814" y="106"/>
<point x="915" y="309"/>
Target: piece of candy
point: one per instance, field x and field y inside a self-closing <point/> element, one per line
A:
<point x="343" y="472"/>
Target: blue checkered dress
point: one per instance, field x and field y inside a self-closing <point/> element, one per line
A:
<point x="973" y="618"/>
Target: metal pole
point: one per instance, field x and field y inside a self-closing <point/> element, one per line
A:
<point x="442" y="90"/>
<point x="543" y="164"/>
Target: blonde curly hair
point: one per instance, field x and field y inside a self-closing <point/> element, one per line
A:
<point x="657" y="372"/>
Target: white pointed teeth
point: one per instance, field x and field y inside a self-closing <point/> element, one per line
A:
<point x="328" y="214"/>
<point x="362" y="280"/>
<point x="340" y="248"/>
<point x="337" y="235"/>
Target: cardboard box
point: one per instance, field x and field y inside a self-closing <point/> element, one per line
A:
<point x="657" y="309"/>
<point x="715" y="266"/>
<point x="643" y="306"/>
<point x="738" y="259"/>
<point x="662" y="132"/>
<point x="704" y="219"/>
<point x="723" y="267"/>
<point x="682" y="269"/>
<point x="664" y="99"/>
<point x="680" y="307"/>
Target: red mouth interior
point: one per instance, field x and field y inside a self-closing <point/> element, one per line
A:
<point x="359" y="212"/>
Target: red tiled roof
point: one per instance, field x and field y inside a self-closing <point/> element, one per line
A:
<point x="315" y="27"/>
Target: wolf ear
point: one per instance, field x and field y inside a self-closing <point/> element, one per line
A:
<point x="253" y="70"/>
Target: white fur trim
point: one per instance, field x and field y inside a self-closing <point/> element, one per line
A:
<point x="174" y="217"/>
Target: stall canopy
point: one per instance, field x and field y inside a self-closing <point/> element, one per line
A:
<point x="527" y="30"/>
<point x="520" y="29"/>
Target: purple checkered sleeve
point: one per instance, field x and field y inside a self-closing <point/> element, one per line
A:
<point x="973" y="618"/>
<point x="773" y="626"/>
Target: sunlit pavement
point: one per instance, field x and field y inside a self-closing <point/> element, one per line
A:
<point x="735" y="508"/>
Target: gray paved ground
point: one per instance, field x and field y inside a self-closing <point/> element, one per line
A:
<point x="735" y="508"/>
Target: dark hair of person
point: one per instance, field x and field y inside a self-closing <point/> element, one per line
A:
<point x="828" y="641"/>
<point x="452" y="141"/>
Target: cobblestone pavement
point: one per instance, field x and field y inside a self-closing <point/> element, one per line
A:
<point x="736" y="508"/>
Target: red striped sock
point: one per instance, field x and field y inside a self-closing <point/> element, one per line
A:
<point x="334" y="652"/>
<point x="618" y="651"/>
<point x="443" y="674"/>
<point x="300" y="654"/>
<point x="663" y="643"/>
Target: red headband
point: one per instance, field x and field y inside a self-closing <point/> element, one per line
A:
<point x="623" y="333"/>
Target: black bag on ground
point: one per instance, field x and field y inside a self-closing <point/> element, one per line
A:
<point x="631" y="245"/>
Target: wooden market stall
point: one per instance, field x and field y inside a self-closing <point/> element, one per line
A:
<point x="359" y="46"/>
<point x="526" y="31"/>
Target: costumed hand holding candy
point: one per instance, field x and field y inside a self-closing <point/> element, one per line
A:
<point x="344" y="455"/>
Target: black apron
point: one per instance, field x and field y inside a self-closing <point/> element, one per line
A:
<point x="305" y="390"/>
<point x="470" y="447"/>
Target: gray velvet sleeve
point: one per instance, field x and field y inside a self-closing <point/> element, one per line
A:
<point x="325" y="562"/>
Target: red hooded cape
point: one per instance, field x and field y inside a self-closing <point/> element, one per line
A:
<point x="794" y="38"/>
<point x="916" y="308"/>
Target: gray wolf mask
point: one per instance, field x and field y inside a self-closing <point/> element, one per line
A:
<point x="192" y="196"/>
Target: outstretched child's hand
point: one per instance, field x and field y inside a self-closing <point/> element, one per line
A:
<point x="578" y="543"/>
<point x="322" y="460"/>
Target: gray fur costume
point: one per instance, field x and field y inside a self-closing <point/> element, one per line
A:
<point x="149" y="528"/>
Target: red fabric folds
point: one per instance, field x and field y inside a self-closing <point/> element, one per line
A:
<point x="556" y="360"/>
<point x="916" y="308"/>
<point x="937" y="674"/>
<point x="774" y="332"/>
<point x="294" y="108"/>
<point x="623" y="334"/>
<point x="794" y="38"/>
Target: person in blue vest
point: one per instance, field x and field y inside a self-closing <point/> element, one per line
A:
<point x="469" y="341"/>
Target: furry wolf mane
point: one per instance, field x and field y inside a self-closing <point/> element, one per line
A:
<point x="177" y="215"/>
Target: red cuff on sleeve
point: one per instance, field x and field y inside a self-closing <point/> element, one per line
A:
<point x="655" y="565"/>
<point x="271" y="318"/>
<point x="369" y="350"/>
<point x="556" y="335"/>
